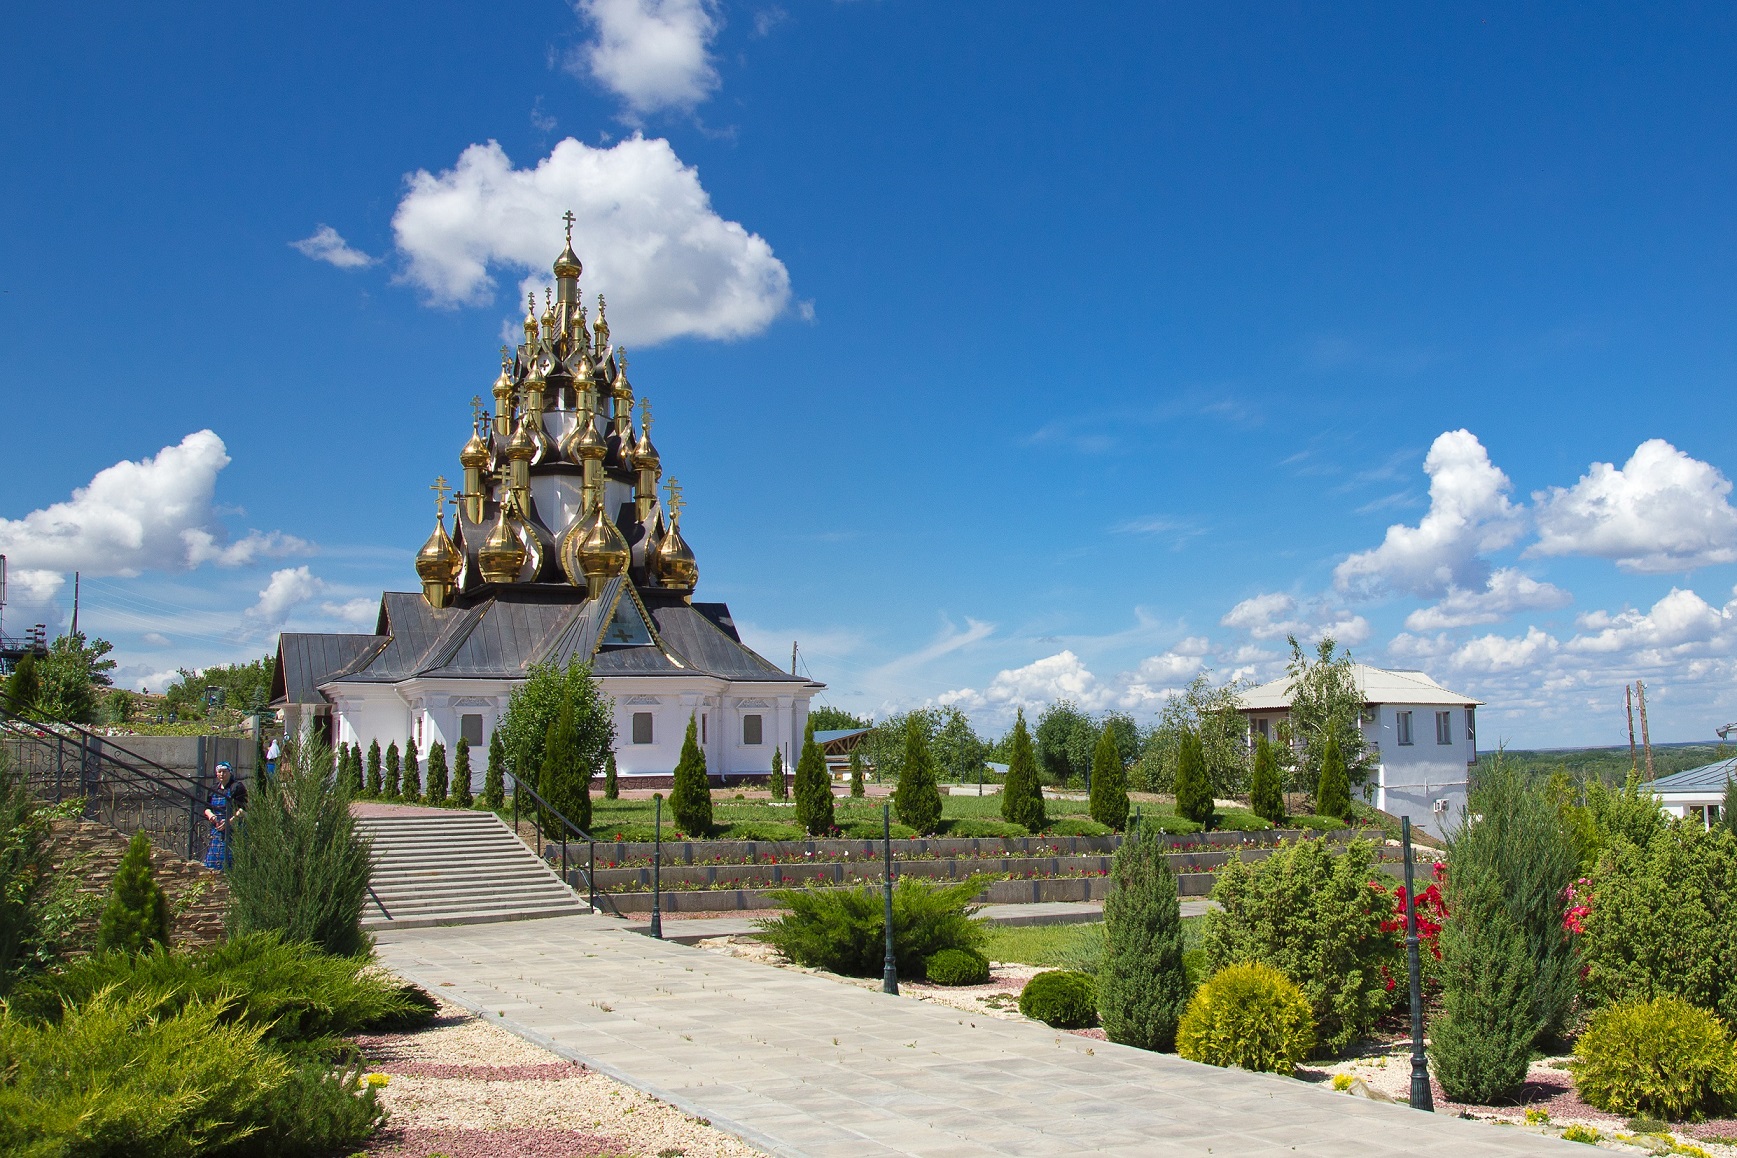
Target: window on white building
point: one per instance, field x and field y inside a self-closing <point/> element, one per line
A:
<point x="1402" y="723"/>
<point x="752" y="730"/>
<point x="1264" y="728"/>
<point x="1444" y="727"/>
<point x="1472" y="733"/>
<point x="642" y="727"/>
<point x="470" y="727"/>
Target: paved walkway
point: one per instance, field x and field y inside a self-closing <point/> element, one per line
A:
<point x="689" y="928"/>
<point x="802" y="1065"/>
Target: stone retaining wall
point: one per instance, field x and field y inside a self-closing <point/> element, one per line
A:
<point x="92" y="852"/>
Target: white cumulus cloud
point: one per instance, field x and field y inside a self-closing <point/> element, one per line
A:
<point x="1661" y="511"/>
<point x="653" y="54"/>
<point x="287" y="590"/>
<point x="1488" y="654"/>
<point x="361" y="611"/>
<point x="1506" y="592"/>
<point x="1065" y="676"/>
<point x="328" y="245"/>
<point x="153" y="514"/>
<point x="1275" y="615"/>
<point x="1469" y="513"/>
<point x="1680" y="621"/>
<point x="646" y="233"/>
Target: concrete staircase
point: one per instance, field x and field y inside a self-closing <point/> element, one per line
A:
<point x="456" y="868"/>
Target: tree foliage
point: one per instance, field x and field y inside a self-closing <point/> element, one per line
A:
<point x="1194" y="800"/>
<point x="245" y="686"/>
<point x="957" y="750"/>
<point x="856" y="785"/>
<point x="778" y="782"/>
<point x="438" y="777"/>
<point x="917" y="799"/>
<point x="1142" y="985"/>
<point x="524" y="730"/>
<point x="136" y="918"/>
<point x="24" y="685"/>
<point x="411" y="787"/>
<point x="1065" y="737"/>
<point x="73" y="675"/>
<point x="1109" y="801"/>
<point x="461" y="794"/>
<point x="564" y="780"/>
<point x="1481" y="1043"/>
<point x="1265" y="795"/>
<point x="1326" y="705"/>
<point x="813" y="788"/>
<point x="827" y="718"/>
<point x="690" y="797"/>
<point x="1208" y="711"/>
<point x="1333" y="791"/>
<point x="1022" y="794"/>
<point x="393" y="769"/>
<point x="611" y="778"/>
<point x="374" y="786"/>
<point x="495" y="776"/>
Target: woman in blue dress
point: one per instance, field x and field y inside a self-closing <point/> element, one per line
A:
<point x="223" y="807"/>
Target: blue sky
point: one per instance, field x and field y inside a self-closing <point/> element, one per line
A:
<point x="1005" y="352"/>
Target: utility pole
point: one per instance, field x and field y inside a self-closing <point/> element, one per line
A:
<point x="74" y="603"/>
<point x="1628" y="698"/>
<point x="1640" y="690"/>
<point x="793" y="657"/>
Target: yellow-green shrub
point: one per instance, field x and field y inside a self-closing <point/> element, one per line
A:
<point x="1248" y="1015"/>
<point x="1661" y="1057"/>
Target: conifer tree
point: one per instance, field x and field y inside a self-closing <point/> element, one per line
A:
<point x="494" y="776"/>
<point x="1264" y="796"/>
<point x="856" y="788"/>
<point x="566" y="778"/>
<point x="813" y="788"/>
<point x="1728" y="810"/>
<point x="412" y="788"/>
<point x="1333" y="794"/>
<point x="1193" y="790"/>
<point x="391" y="791"/>
<point x="1109" y="801"/>
<point x="352" y="769"/>
<point x="24" y="685"/>
<point x="374" y="787"/>
<point x="917" y="799"/>
<point x="461" y="796"/>
<point x="1143" y="987"/>
<point x="437" y="775"/>
<point x="611" y="779"/>
<point x="777" y="783"/>
<point x="1022" y="794"/>
<point x="690" y="796"/>
<point x="1481" y="1044"/>
<point x="137" y="915"/>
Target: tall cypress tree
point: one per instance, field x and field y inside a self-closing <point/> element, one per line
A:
<point x="1264" y="796"/>
<point x="1022" y="794"/>
<point x="1193" y="790"/>
<point x="437" y="774"/>
<point x="495" y="776"/>
<point x="1482" y="1042"/>
<point x="776" y="782"/>
<point x="137" y="915"/>
<point x="690" y="797"/>
<point x="565" y="782"/>
<point x="461" y="796"/>
<point x="1142" y="987"/>
<point x="412" y="788"/>
<point x="373" y="788"/>
<point x="917" y="799"/>
<point x="856" y="787"/>
<point x="1109" y="802"/>
<point x="611" y="779"/>
<point x="392" y="770"/>
<point x="1333" y="794"/>
<point x="813" y="788"/>
<point x="24" y="685"/>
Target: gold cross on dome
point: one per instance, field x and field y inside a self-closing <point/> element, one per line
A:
<point x="645" y="416"/>
<point x="475" y="410"/>
<point x="676" y="502"/>
<point x="440" y="488"/>
<point x="568" y="218"/>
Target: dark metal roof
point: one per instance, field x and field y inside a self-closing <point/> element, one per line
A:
<point x="1706" y="778"/>
<point x="698" y="639"/>
<point x="305" y="661"/>
<point x="832" y="734"/>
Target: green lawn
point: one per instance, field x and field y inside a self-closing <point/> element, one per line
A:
<point x="1079" y="947"/>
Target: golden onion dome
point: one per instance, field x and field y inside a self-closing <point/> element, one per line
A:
<point x="676" y="565"/>
<point x="548" y="318"/>
<point x="603" y="552"/>
<point x="644" y="453"/>
<point x="475" y="452"/>
<point x="502" y="556"/>
<point x="567" y="265"/>
<point x="535" y="380"/>
<point x="589" y="444"/>
<point x="531" y="319"/>
<point x="521" y="444"/>
<point x="438" y="561"/>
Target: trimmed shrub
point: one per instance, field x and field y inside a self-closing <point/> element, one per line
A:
<point x="374" y="787"/>
<point x="1481" y="1044"/>
<point x="300" y="867"/>
<point x="856" y="787"/>
<point x="917" y="799"/>
<point x="778" y="782"/>
<point x="1265" y="798"/>
<point x="1061" y="998"/>
<point x="690" y="797"/>
<point x="1193" y="790"/>
<point x="495" y="775"/>
<point x="611" y="779"/>
<point x="461" y="797"/>
<point x="957" y="967"/>
<point x="438" y="777"/>
<point x="1251" y="1016"/>
<point x="393" y="769"/>
<point x="137" y="915"/>
<point x="30" y="936"/>
<point x="813" y="788"/>
<point x="844" y="930"/>
<point x="565" y="779"/>
<point x="1022" y="794"/>
<point x="1315" y="917"/>
<point x="1142" y="984"/>
<point x="1662" y="1057"/>
<point x="411" y="787"/>
<point x="1109" y="800"/>
<point x="1333" y="791"/>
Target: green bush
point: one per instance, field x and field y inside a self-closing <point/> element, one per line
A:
<point x="1142" y="986"/>
<point x="1264" y="796"/>
<point x="411" y="788"/>
<point x="978" y="826"/>
<point x="461" y="795"/>
<point x="778" y="783"/>
<point x="1481" y="1043"/>
<point x="917" y="799"/>
<point x="495" y="775"/>
<point x="1662" y="1057"/>
<point x="814" y="810"/>
<point x="611" y="779"/>
<point x="1193" y="789"/>
<point x="1022" y="793"/>
<point x="1248" y="1015"/>
<point x="1061" y="998"/>
<point x="373" y="787"/>
<point x="564" y="779"/>
<point x="1314" y="917"/>
<point x="1076" y="826"/>
<point x="300" y="867"/>
<point x="690" y="796"/>
<point x="393" y="769"/>
<point x="857" y="791"/>
<point x="28" y="940"/>
<point x="1333" y="790"/>
<point x="957" y="967"/>
<point x="438" y="777"/>
<point x="137" y="915"/>
<point x="844" y="930"/>
<point x="1109" y="799"/>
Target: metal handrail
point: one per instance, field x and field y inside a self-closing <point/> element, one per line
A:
<point x="589" y="872"/>
<point x="16" y="722"/>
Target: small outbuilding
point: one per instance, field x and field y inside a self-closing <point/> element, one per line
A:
<point x="1695" y="792"/>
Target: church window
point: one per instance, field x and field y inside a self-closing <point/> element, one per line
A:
<point x="751" y="730"/>
<point x="470" y="727"/>
<point x="1402" y="721"/>
<point x="642" y="727"/>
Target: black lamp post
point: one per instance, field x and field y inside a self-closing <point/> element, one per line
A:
<point x="889" y="971"/>
<point x="656" y="865"/>
<point x="1421" y="1099"/>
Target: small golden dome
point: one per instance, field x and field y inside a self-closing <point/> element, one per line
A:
<point x="535" y="380"/>
<point x="502" y="556"/>
<point x="438" y="561"/>
<point x="676" y="566"/>
<point x="548" y="315"/>
<point x="603" y="553"/>
<point x="531" y="318"/>
<point x="567" y="265"/>
<point x="475" y="452"/>
<point x="589" y="444"/>
<point x="601" y="328"/>
<point x="503" y="390"/>
<point x="521" y="444"/>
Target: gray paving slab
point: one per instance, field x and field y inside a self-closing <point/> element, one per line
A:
<point x="752" y="1048"/>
